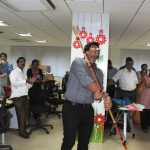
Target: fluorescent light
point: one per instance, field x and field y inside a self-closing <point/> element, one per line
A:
<point x="24" y="34"/>
<point x="147" y="44"/>
<point x="29" y="5"/>
<point x="2" y="23"/>
<point x="42" y="41"/>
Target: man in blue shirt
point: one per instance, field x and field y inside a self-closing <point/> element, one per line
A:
<point x="5" y="67"/>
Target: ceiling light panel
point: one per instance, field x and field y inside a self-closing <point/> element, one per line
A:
<point x="3" y="24"/>
<point x="24" y="34"/>
<point x="28" y="5"/>
<point x="42" y="41"/>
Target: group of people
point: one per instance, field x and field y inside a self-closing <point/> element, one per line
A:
<point x="81" y="91"/>
<point x="19" y="86"/>
<point x="133" y="86"/>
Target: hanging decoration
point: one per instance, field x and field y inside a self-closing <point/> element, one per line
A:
<point x="101" y="38"/>
<point x="90" y="38"/>
<point x="83" y="32"/>
<point x="76" y="43"/>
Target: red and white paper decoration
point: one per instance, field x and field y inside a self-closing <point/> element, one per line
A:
<point x="90" y="38"/>
<point x="101" y="38"/>
<point x="76" y="44"/>
<point x="83" y="33"/>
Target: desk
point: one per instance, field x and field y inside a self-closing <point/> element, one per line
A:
<point x="126" y="113"/>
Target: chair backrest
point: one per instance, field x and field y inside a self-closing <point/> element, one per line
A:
<point x="50" y="86"/>
<point x="64" y="82"/>
<point x="37" y="95"/>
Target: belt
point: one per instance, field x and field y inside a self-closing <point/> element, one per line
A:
<point x="78" y="104"/>
<point x="129" y="91"/>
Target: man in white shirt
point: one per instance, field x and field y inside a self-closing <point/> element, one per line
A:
<point x="127" y="81"/>
<point x="127" y="86"/>
<point x="19" y="94"/>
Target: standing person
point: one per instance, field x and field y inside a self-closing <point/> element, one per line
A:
<point x="127" y="81"/>
<point x="36" y="72"/>
<point x="5" y="67"/>
<point x="144" y="99"/>
<point x="127" y="60"/>
<point x="19" y="95"/>
<point x="127" y="86"/>
<point x="77" y="112"/>
<point x="110" y="83"/>
<point x="139" y="73"/>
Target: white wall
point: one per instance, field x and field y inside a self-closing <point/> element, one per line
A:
<point x="5" y="49"/>
<point x="56" y="57"/>
<point x="59" y="58"/>
<point x="140" y="57"/>
<point x="115" y="56"/>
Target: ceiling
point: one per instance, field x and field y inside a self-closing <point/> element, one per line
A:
<point x="129" y="22"/>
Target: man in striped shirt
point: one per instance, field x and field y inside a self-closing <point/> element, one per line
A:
<point x="78" y="113"/>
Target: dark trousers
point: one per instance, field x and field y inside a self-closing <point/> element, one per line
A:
<point x="145" y="118"/>
<point x="111" y="91"/>
<point x="77" y="120"/>
<point x="126" y="95"/>
<point x="21" y="106"/>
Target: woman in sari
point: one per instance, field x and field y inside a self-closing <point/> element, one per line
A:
<point x="143" y="96"/>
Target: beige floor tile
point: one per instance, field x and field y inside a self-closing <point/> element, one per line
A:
<point x="41" y="141"/>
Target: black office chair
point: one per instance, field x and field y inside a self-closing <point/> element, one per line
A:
<point x="63" y="86"/>
<point x="5" y="116"/>
<point x="54" y="98"/>
<point x="37" y="106"/>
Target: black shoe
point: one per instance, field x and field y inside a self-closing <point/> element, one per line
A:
<point x="24" y="135"/>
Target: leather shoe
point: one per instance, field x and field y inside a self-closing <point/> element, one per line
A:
<point x="24" y="135"/>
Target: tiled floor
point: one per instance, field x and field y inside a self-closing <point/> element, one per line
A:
<point x="52" y="141"/>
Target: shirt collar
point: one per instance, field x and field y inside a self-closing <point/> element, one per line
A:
<point x="128" y="71"/>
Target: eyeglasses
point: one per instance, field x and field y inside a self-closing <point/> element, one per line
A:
<point x="95" y="47"/>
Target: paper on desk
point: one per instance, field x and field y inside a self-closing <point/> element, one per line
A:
<point x="135" y="107"/>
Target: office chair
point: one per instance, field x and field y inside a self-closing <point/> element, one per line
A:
<point x="54" y="98"/>
<point x="4" y="122"/>
<point x="37" y="106"/>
